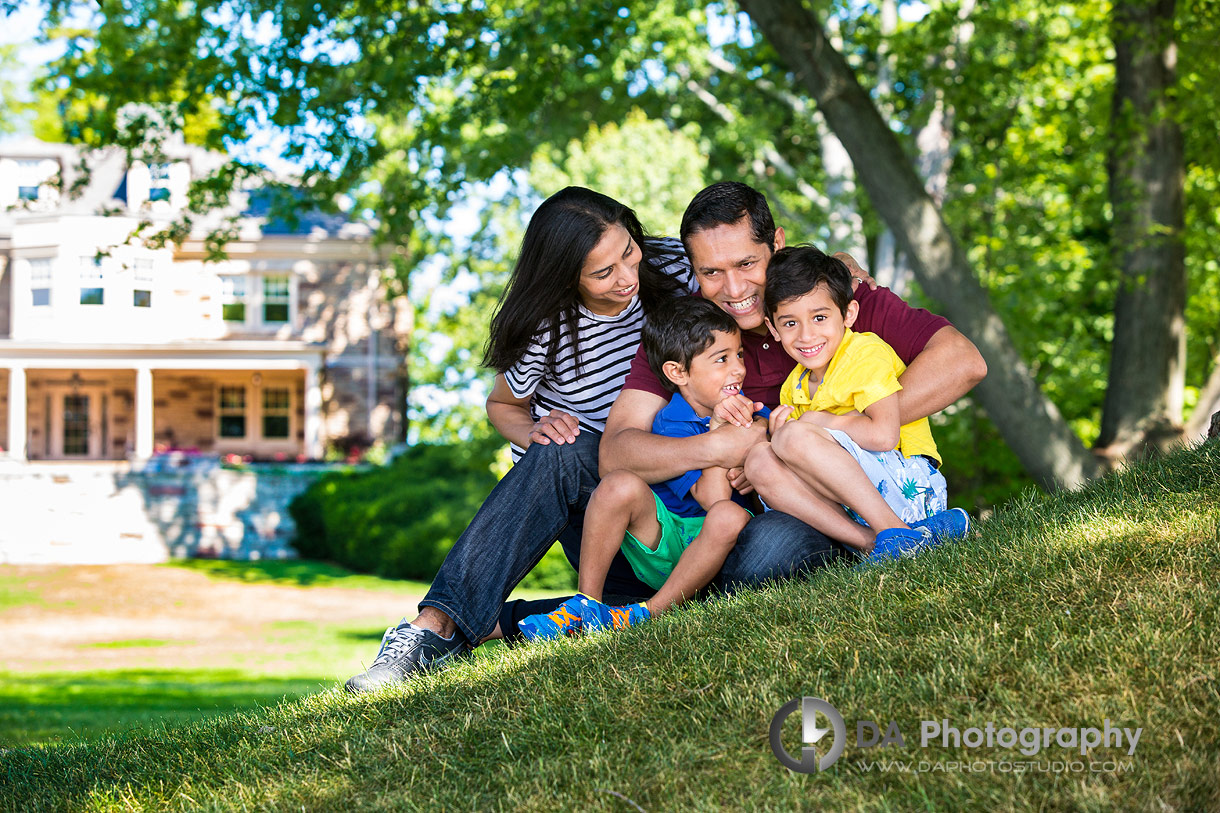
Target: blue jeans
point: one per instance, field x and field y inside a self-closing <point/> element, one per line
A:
<point x="772" y="546"/>
<point x="775" y="545"/>
<point x="541" y="499"/>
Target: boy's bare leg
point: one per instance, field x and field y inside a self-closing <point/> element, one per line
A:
<point x="783" y="491"/>
<point x="621" y="503"/>
<point x="818" y="459"/>
<point x="703" y="558"/>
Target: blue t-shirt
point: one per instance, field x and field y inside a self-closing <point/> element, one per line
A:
<point x="678" y="420"/>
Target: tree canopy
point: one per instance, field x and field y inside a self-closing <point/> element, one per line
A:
<point x="996" y="121"/>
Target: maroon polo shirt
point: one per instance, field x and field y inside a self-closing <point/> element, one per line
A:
<point x="883" y="312"/>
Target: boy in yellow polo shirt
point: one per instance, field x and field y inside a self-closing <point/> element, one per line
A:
<point x="836" y="440"/>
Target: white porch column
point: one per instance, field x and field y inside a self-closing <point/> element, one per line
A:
<point x="313" y="412"/>
<point x="16" y="413"/>
<point x="144" y="413"/>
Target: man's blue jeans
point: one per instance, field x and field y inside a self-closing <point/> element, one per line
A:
<point x="540" y="500"/>
<point x="543" y="498"/>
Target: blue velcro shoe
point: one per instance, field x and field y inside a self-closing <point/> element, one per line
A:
<point x="595" y="615"/>
<point x="900" y="543"/>
<point x="946" y="525"/>
<point x="563" y="620"/>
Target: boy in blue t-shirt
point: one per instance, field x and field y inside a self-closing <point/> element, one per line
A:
<point x="675" y="534"/>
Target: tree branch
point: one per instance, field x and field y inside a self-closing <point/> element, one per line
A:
<point x="1030" y="422"/>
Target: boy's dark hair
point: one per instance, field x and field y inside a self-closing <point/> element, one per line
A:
<point x="681" y="330"/>
<point x="796" y="270"/>
<point x="725" y="203"/>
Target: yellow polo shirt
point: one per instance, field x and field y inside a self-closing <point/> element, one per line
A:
<point x="863" y="371"/>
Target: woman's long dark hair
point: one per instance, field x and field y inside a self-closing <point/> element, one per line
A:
<point x="542" y="292"/>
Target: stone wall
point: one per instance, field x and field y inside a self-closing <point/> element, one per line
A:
<point x="110" y="514"/>
<point x="344" y="306"/>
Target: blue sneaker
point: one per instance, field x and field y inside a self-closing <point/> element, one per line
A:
<point x="595" y="615"/>
<point x="563" y="620"/>
<point x="946" y="525"/>
<point x="900" y="543"/>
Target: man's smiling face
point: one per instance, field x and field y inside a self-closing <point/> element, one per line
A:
<point x="731" y="269"/>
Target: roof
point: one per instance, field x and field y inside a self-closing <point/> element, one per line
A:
<point x="106" y="190"/>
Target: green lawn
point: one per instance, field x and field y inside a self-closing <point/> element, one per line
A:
<point x="1065" y="611"/>
<point x="50" y="707"/>
<point x="297" y="573"/>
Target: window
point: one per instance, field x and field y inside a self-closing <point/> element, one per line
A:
<point x="92" y="290"/>
<point x="40" y="281"/>
<point x="233" y="412"/>
<point x="233" y="301"/>
<point x="275" y="412"/>
<point x="141" y="294"/>
<point x="158" y="188"/>
<point x="32" y="173"/>
<point x="275" y="299"/>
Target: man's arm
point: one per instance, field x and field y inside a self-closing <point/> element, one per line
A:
<point x="947" y="368"/>
<point x="629" y="443"/>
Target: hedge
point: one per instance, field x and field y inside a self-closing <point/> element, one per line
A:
<point x="399" y="520"/>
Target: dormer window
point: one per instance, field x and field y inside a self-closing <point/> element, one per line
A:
<point x="158" y="187"/>
<point x="32" y="174"/>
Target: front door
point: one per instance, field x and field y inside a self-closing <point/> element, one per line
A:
<point x="78" y="423"/>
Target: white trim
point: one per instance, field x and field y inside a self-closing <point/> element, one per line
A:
<point x="313" y="414"/>
<point x="144" y="413"/>
<point x="17" y="410"/>
<point x="217" y="355"/>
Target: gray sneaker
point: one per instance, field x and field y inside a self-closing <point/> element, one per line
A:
<point x="405" y="650"/>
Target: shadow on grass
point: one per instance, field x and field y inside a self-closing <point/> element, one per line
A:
<point x="361" y="635"/>
<point x="39" y="709"/>
<point x="293" y="573"/>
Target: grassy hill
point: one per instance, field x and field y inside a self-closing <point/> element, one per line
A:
<point x="1065" y="611"/>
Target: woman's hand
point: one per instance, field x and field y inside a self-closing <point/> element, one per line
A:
<point x="558" y="426"/>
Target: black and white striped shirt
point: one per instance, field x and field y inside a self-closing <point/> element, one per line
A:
<point x="607" y="345"/>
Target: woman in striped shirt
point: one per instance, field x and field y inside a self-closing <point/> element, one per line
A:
<point x="561" y="343"/>
<point x="569" y="322"/>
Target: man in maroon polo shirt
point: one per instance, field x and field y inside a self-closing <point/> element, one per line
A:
<point x="729" y="235"/>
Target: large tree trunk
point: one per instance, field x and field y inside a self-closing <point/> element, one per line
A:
<point x="1148" y="359"/>
<point x="1030" y="423"/>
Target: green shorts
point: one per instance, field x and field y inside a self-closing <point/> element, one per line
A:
<point x="654" y="566"/>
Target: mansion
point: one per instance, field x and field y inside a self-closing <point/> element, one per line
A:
<point x="114" y="350"/>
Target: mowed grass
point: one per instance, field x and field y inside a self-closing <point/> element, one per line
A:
<point x="51" y="707"/>
<point x="1064" y="611"/>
